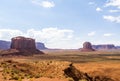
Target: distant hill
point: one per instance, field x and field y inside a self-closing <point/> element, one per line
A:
<point x="6" y="45"/>
<point x="105" y="47"/>
<point x="41" y="46"/>
<point x="118" y="47"/>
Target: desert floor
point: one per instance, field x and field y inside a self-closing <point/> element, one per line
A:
<point x="53" y="62"/>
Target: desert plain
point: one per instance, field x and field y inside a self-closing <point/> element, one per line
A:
<point x="62" y="65"/>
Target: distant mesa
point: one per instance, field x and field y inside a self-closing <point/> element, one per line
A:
<point x="20" y="43"/>
<point x="117" y="47"/>
<point x="40" y="46"/>
<point x="87" y="47"/>
<point x="24" y="45"/>
<point x="104" y="47"/>
<point x="4" y="45"/>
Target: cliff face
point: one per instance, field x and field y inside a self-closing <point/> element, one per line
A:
<point x="22" y="43"/>
<point x="26" y="46"/>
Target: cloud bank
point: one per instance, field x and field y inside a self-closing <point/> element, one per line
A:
<point x="52" y="37"/>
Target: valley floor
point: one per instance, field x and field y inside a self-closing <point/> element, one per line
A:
<point x="51" y="66"/>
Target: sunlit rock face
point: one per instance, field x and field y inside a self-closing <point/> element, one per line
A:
<point x="22" y="43"/>
<point x="87" y="47"/>
<point x="25" y="45"/>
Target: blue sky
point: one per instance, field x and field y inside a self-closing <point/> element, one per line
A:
<point x="61" y="23"/>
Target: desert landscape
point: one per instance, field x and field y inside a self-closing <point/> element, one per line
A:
<point x="99" y="66"/>
<point x="59" y="40"/>
<point x="26" y="63"/>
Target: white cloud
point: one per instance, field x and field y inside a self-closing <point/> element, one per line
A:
<point x="92" y="33"/>
<point x="98" y="9"/>
<point x="51" y="33"/>
<point x="47" y="4"/>
<point x="115" y="3"/>
<point x="114" y="7"/>
<point x="52" y="37"/>
<point x="44" y="3"/>
<point x="6" y="34"/>
<point x="108" y="34"/>
<point x="112" y="18"/>
<point x="91" y="3"/>
<point x="114" y="11"/>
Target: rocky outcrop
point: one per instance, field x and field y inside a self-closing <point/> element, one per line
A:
<point x="87" y="47"/>
<point x="104" y="47"/>
<point x="77" y="75"/>
<point x="24" y="45"/>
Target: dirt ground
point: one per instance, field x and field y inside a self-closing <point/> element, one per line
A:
<point x="93" y="63"/>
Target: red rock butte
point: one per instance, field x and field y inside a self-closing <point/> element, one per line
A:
<point x="87" y="47"/>
<point x="24" y="44"/>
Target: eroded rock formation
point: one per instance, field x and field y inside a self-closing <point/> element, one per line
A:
<point x="77" y="75"/>
<point x="87" y="47"/>
<point x="24" y="45"/>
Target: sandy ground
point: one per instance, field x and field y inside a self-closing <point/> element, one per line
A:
<point x="94" y="63"/>
<point x="45" y="79"/>
<point x="111" y="69"/>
